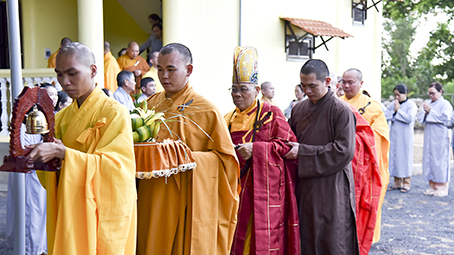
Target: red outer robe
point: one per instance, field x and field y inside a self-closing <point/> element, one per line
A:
<point x="268" y="188"/>
<point x="367" y="182"/>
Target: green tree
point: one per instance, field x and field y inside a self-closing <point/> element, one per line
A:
<point x="401" y="9"/>
<point x="396" y="62"/>
<point x="433" y="62"/>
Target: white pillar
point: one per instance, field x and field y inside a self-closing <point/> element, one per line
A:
<point x="91" y="32"/>
<point x="172" y="20"/>
<point x="18" y="187"/>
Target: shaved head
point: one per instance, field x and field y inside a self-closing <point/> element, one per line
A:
<point x="316" y="66"/>
<point x="133" y="50"/>
<point x="265" y="85"/>
<point x="65" y="41"/>
<point x="106" y="47"/>
<point x="132" y="44"/>
<point x="83" y="54"/>
<point x="153" y="56"/>
<point x="183" y="50"/>
<point x="359" y="74"/>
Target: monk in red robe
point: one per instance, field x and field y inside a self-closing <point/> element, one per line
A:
<point x="368" y="184"/>
<point x="268" y="215"/>
<point x="366" y="173"/>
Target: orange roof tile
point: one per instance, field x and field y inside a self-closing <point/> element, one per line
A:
<point x="317" y="28"/>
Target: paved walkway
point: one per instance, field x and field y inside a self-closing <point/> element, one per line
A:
<point x="416" y="224"/>
<point x="412" y="224"/>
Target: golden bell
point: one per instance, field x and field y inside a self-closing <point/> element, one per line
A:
<point x="36" y="122"/>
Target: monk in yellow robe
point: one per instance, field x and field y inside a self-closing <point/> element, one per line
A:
<point x="153" y="73"/>
<point x="51" y="60"/>
<point x="267" y="92"/>
<point x="131" y="61"/>
<point x="372" y="112"/>
<point x="91" y="202"/>
<point x="111" y="69"/>
<point x="191" y="212"/>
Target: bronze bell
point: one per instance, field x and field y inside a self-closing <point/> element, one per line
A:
<point x="36" y="122"/>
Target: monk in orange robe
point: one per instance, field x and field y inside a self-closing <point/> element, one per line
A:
<point x="131" y="61"/>
<point x="371" y="111"/>
<point x="191" y="212"/>
<point x="153" y="73"/>
<point x="111" y="69"/>
<point x="51" y="60"/>
<point x="91" y="203"/>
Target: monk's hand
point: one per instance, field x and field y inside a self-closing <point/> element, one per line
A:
<point x="137" y="72"/>
<point x="396" y="105"/>
<point x="245" y="150"/>
<point x="293" y="153"/>
<point x="45" y="152"/>
<point x="426" y="107"/>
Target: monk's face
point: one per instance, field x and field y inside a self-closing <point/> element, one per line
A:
<point x="268" y="92"/>
<point x="75" y="77"/>
<point x="351" y="85"/>
<point x="313" y="88"/>
<point x="133" y="51"/>
<point x="244" y="94"/>
<point x="173" y="72"/>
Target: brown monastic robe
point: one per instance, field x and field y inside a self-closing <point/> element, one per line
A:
<point x="325" y="189"/>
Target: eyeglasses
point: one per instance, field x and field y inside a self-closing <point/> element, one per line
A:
<point x="241" y="90"/>
<point x="431" y="93"/>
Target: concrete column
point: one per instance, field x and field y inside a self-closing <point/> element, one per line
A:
<point x="18" y="187"/>
<point x="172" y="11"/>
<point x="91" y="32"/>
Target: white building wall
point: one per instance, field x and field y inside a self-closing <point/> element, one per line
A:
<point x="210" y="29"/>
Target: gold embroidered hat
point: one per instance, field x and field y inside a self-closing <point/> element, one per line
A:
<point x="245" y="65"/>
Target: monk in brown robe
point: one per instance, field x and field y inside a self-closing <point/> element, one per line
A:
<point x="325" y="189"/>
<point x="131" y="61"/>
<point x="190" y="212"/>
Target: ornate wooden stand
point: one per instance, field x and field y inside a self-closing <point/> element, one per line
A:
<point x="17" y="160"/>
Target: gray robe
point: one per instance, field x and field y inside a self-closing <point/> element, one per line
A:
<point x="325" y="188"/>
<point x="401" y="135"/>
<point x="435" y="157"/>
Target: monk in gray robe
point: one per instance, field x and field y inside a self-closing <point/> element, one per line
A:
<point x="325" y="190"/>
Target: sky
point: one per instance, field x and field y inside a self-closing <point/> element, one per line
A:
<point x="426" y="25"/>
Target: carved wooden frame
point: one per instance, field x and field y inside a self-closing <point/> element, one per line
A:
<point x="17" y="160"/>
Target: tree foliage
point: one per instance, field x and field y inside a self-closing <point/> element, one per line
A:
<point x="396" y="62"/>
<point x="433" y="62"/>
<point x="400" y="9"/>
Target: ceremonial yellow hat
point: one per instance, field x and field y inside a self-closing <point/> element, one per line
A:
<point x="245" y="65"/>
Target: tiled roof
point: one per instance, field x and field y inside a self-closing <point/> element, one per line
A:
<point x="317" y="28"/>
